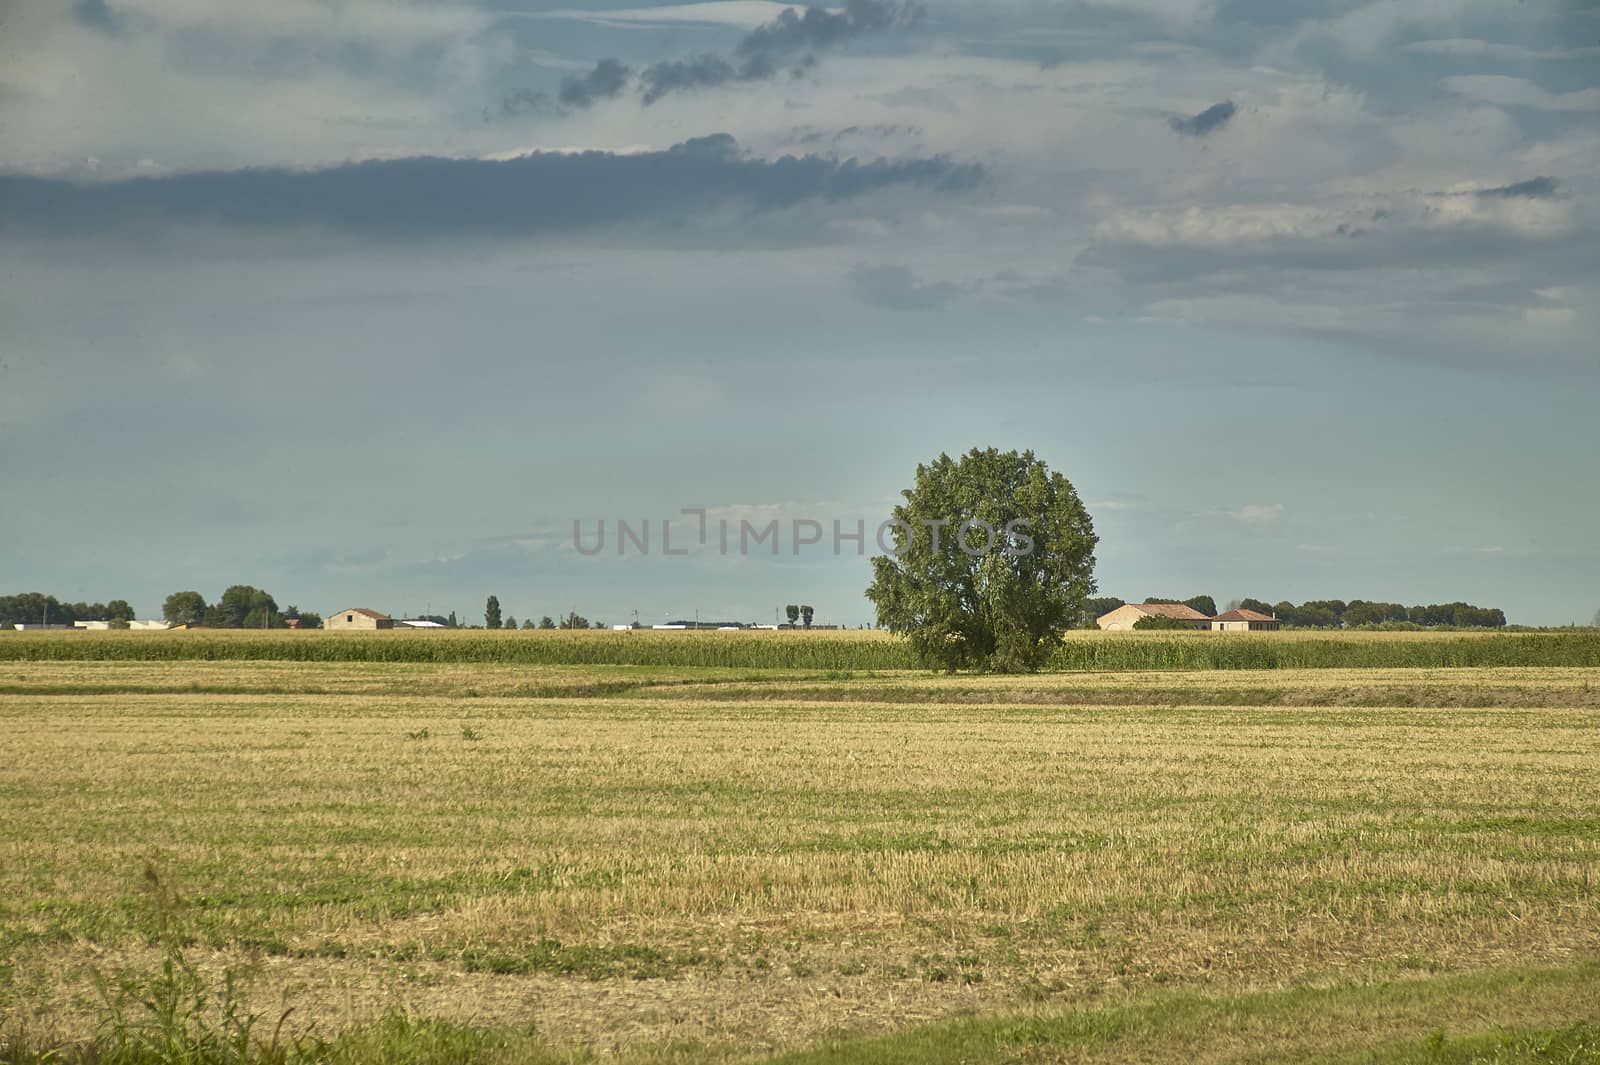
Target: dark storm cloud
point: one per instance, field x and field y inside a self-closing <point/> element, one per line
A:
<point x="428" y="197"/>
<point x="518" y="101"/>
<point x="95" y="14"/>
<point x="1210" y="120"/>
<point x="794" y="37"/>
<point x="696" y="72"/>
<point x="608" y="78"/>
<point x="818" y="28"/>
<point x="1534" y="188"/>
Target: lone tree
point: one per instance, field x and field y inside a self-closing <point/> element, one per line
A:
<point x="995" y="559"/>
<point x="184" y="608"/>
<point x="491" y="613"/>
<point x="793" y="612"/>
<point x="806" y="614"/>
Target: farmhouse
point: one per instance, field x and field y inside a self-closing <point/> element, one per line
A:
<point x="1244" y="621"/>
<point x="358" y="618"/>
<point x="1125" y="617"/>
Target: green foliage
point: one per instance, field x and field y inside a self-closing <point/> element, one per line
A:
<point x="36" y="608"/>
<point x="1003" y="610"/>
<point x="806" y="614"/>
<point x="1094" y="609"/>
<point x="309" y="619"/>
<point x="792" y="611"/>
<point x="184" y="608"/>
<point x="244" y="607"/>
<point x="491" y="612"/>
<point x="1360" y="613"/>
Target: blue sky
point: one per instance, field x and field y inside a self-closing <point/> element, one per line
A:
<point x="367" y="302"/>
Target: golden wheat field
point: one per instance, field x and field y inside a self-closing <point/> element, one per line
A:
<point x="692" y="863"/>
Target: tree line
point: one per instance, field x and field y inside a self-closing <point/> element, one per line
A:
<point x="241" y="607"/>
<point x="493" y="619"/>
<point x="1331" y="613"/>
<point x="36" y="608"/>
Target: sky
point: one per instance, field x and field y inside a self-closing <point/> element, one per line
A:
<point x="367" y="302"/>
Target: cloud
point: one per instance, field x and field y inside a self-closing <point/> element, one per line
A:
<point x="1471" y="46"/>
<point x="791" y="37"/>
<point x="96" y="15"/>
<point x="1257" y="513"/>
<point x="696" y="72"/>
<point x="1537" y="188"/>
<point x="820" y="28"/>
<point x="896" y="288"/>
<point x="542" y="192"/>
<point x="1208" y="121"/>
<point x="518" y="101"/>
<point x="608" y="78"/>
<point x="1506" y="91"/>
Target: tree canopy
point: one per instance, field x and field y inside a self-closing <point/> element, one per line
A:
<point x="36" y="608"/>
<point x="1001" y="609"/>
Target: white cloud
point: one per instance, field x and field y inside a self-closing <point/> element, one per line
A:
<point x="745" y="14"/>
<point x="1472" y="46"/>
<point x="1364" y="31"/>
<point x="1257" y="513"/>
<point x="1507" y="91"/>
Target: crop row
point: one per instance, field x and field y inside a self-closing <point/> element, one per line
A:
<point x="823" y="651"/>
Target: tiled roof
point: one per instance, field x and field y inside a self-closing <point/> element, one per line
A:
<point x="363" y="610"/>
<point x="1243" y="615"/>
<point x="1179" y="611"/>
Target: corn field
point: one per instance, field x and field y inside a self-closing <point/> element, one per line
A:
<point x="1079" y="652"/>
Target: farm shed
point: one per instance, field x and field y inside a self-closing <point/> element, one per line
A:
<point x="1125" y="617"/>
<point x="357" y="618"/>
<point x="1244" y="621"/>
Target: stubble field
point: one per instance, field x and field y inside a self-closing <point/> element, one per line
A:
<point x="549" y="863"/>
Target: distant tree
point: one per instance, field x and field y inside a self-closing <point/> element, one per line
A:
<point x="806" y="614"/>
<point x="793" y="613"/>
<point x="119" y="610"/>
<point x="184" y="608"/>
<point x="1232" y="604"/>
<point x="547" y="622"/>
<point x="1359" y="612"/>
<point x="528" y="623"/>
<point x="244" y="606"/>
<point x="1003" y="608"/>
<point x="511" y="621"/>
<point x="1094" y="609"/>
<point x="1595" y="621"/>
<point x="452" y="622"/>
<point x="118" y="623"/>
<point x="1259" y="606"/>
<point x="598" y="625"/>
<point x="491" y="613"/>
<point x="1322" y="613"/>
<point x="574" y="620"/>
